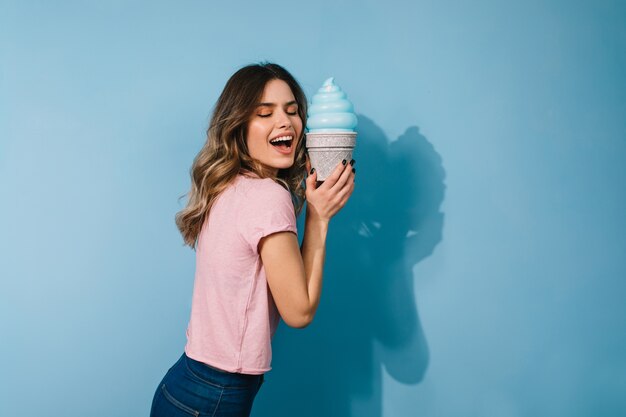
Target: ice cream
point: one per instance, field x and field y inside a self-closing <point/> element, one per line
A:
<point x="330" y="122"/>
<point x="331" y="110"/>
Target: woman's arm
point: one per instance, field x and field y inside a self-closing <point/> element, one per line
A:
<point x="294" y="275"/>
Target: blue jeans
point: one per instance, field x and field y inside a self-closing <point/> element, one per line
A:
<point x="192" y="388"/>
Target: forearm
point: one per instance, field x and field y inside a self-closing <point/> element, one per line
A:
<point x="313" y="252"/>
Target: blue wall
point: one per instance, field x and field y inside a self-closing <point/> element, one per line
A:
<point x="478" y="269"/>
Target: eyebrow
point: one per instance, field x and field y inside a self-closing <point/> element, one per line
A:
<point x="274" y="104"/>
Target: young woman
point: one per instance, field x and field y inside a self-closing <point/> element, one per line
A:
<point x="249" y="183"/>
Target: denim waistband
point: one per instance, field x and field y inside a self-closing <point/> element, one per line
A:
<point x="211" y="373"/>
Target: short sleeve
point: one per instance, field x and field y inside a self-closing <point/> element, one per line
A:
<point x="266" y="209"/>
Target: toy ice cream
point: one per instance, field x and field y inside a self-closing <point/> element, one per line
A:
<point x="331" y="122"/>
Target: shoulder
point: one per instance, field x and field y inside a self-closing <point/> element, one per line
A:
<point x="264" y="207"/>
<point x="264" y="189"/>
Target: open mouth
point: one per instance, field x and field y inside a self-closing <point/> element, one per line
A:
<point x="283" y="142"/>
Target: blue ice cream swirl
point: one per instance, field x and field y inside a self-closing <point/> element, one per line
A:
<point x="330" y="110"/>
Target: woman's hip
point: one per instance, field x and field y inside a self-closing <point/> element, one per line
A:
<point x="193" y="388"/>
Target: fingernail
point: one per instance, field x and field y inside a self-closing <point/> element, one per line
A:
<point x="343" y="162"/>
<point x="354" y="170"/>
<point x="312" y="171"/>
<point x="352" y="162"/>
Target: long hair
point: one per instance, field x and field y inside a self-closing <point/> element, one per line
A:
<point x="225" y="153"/>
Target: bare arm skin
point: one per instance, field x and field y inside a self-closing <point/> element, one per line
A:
<point x="294" y="275"/>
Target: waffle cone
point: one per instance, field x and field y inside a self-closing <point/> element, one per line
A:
<point x="327" y="149"/>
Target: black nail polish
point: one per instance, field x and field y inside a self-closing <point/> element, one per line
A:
<point x="312" y="171"/>
<point x="354" y="170"/>
<point x="352" y="162"/>
<point x="343" y="162"/>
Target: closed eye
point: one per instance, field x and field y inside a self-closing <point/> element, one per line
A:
<point x="268" y="115"/>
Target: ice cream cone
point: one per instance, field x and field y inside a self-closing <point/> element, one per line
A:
<point x="331" y="122"/>
<point x="327" y="149"/>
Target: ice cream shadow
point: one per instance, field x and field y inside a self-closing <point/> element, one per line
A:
<point x="368" y="316"/>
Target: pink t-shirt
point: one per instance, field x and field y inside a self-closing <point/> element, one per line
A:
<point x="233" y="315"/>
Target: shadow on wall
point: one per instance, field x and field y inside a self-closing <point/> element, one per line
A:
<point x="367" y="317"/>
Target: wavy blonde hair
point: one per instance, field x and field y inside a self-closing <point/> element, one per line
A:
<point x="225" y="153"/>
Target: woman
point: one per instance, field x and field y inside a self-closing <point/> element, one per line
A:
<point x="247" y="188"/>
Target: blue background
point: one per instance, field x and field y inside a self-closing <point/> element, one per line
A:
<point x="478" y="269"/>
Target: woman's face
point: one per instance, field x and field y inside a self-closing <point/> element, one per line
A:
<point x="276" y="116"/>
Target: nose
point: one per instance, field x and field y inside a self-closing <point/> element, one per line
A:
<point x="282" y="119"/>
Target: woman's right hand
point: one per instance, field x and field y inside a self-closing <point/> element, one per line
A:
<point x="326" y="199"/>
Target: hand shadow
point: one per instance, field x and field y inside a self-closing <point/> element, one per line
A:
<point x="367" y="316"/>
